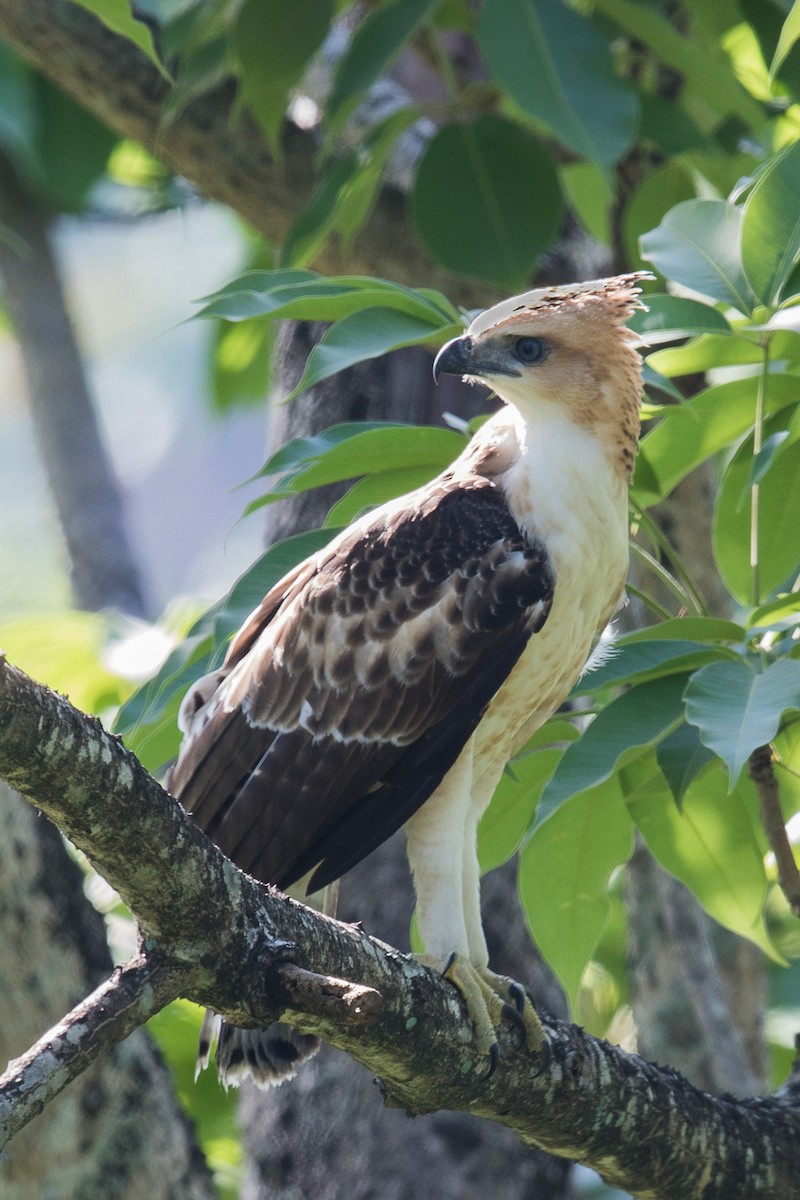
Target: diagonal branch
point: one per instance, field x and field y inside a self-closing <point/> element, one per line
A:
<point x="124" y="1002"/>
<point x="222" y="939"/>
<point x="223" y="153"/>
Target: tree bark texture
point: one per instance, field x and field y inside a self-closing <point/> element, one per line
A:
<point x="102" y="565"/>
<point x="224" y="939"/>
<point x="118" y="1132"/>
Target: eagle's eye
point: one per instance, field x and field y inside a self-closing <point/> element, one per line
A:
<point x="529" y="349"/>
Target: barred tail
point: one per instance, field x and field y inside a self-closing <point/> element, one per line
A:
<point x="266" y="1056"/>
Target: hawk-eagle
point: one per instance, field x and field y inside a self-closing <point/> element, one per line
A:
<point x="387" y="679"/>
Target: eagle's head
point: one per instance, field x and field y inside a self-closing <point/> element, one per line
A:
<point x="563" y="349"/>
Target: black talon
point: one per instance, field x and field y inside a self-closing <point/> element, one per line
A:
<point x="494" y="1059"/>
<point x="516" y="993"/>
<point x="450" y="962"/>
<point x="514" y="1015"/>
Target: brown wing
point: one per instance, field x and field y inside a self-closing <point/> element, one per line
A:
<point x="349" y="694"/>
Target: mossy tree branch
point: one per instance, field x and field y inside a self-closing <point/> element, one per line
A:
<point x="211" y="933"/>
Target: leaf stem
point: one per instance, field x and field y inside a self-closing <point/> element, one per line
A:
<point x="758" y="435"/>
<point x="649" y="602"/>
<point x="759" y="767"/>
<point x="668" y="580"/>
<point x="443" y="63"/>
<point x="660" y="541"/>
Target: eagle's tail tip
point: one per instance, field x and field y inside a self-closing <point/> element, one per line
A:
<point x="268" y="1057"/>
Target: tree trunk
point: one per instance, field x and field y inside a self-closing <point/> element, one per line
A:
<point x="102" y="566"/>
<point x="117" y="1131"/>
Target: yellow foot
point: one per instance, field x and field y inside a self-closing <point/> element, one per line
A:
<point x="489" y="998"/>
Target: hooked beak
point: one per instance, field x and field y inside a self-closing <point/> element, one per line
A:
<point x="454" y="358"/>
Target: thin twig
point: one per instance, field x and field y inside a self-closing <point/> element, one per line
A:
<point x="660" y="541"/>
<point x="760" y="770"/>
<point x="664" y="577"/>
<point x="337" y="1000"/>
<point x="649" y="602"/>
<point x="124" y="1002"/>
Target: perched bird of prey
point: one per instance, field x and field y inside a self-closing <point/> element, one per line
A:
<point x="386" y="680"/>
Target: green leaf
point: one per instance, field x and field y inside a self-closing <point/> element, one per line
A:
<point x="680" y="756"/>
<point x="359" y="195"/>
<point x="377" y="489"/>
<point x="148" y="721"/>
<point x="790" y="33"/>
<point x="240" y="363"/>
<point x="377" y="39"/>
<point x="654" y="381"/>
<point x="778" y="527"/>
<point x="563" y="877"/>
<point x="648" y="205"/>
<point x="313" y="298"/>
<point x="318" y="218"/>
<point x="509" y="200"/>
<point x="670" y="317"/>
<point x="64" y="124"/>
<point x="698" y="244"/>
<point x="558" y="68"/>
<point x="664" y="123"/>
<point x="591" y="197"/>
<point x="703" y="71"/>
<point x="737" y="709"/>
<point x="367" y="452"/>
<point x="762" y="462"/>
<point x="186" y="25"/>
<point x="784" y="609"/>
<point x="710" y="844"/>
<point x="701" y="629"/>
<point x="710" y="351"/>
<point x="19" y="113"/>
<point x="787" y="766"/>
<point x="364" y="335"/>
<point x="301" y="452"/>
<point x="638" y="718"/>
<point x="201" y="69"/>
<point x="704" y="352"/>
<point x="771" y="226"/>
<point x="701" y="427"/>
<point x="66" y="650"/>
<point x="264" y="280"/>
<point x="274" y="42"/>
<point x="651" y="659"/>
<point x="509" y="816"/>
<point x="347" y="191"/>
<point x="117" y="16"/>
